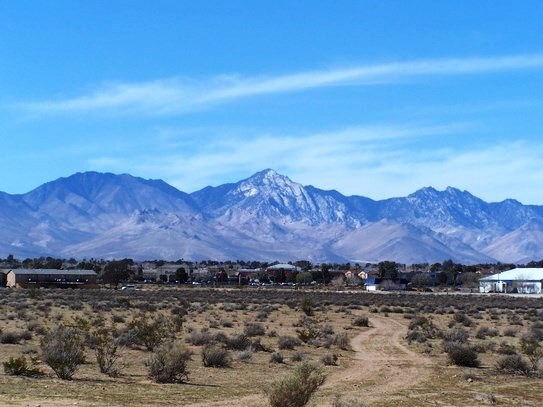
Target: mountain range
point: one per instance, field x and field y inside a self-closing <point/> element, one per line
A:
<point x="264" y="217"/>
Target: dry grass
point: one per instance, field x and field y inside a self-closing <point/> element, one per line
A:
<point x="223" y="314"/>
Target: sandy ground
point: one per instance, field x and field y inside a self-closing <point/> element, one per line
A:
<point x="381" y="365"/>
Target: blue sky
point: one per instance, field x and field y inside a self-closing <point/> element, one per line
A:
<point x="375" y="98"/>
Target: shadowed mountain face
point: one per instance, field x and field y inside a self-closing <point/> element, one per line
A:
<point x="266" y="217"/>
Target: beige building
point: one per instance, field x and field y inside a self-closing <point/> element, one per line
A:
<point x="36" y="278"/>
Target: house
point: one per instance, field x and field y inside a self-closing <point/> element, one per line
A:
<point x="3" y="278"/>
<point x="518" y="280"/>
<point x="384" y="284"/>
<point x="35" y="278"/>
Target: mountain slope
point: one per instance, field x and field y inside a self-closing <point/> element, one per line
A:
<point x="266" y="216"/>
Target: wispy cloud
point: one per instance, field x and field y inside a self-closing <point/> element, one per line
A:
<point x="175" y="96"/>
<point x="375" y="161"/>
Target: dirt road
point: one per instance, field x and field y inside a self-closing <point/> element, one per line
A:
<point x="382" y="363"/>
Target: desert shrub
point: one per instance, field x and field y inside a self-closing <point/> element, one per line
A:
<point x="277" y="357"/>
<point x="34" y="326"/>
<point x="220" y="337"/>
<point x="456" y="335"/>
<point x="485" y="331"/>
<point x="258" y="346"/>
<point x="513" y="363"/>
<point x="288" y="342"/>
<point x="506" y="349"/>
<point x="239" y="342"/>
<point x="151" y="333"/>
<point x="462" y="355"/>
<point x="10" y="337"/>
<point x="308" y="330"/>
<point x="227" y="323"/>
<point x="536" y="330"/>
<point x="347" y="402"/>
<point x="168" y="364"/>
<point x="63" y="350"/>
<point x="297" y="356"/>
<point x="329" y="359"/>
<point x="463" y="319"/>
<point x="361" y="321"/>
<point x="416" y="336"/>
<point x="26" y="335"/>
<point x="307" y="306"/>
<point x="327" y="330"/>
<point x="296" y="389"/>
<point x="108" y="350"/>
<point x="342" y="341"/>
<point x="214" y="355"/>
<point x="254" y="329"/>
<point x="511" y="332"/>
<point x="118" y="319"/>
<point x="198" y="338"/>
<point x="20" y="367"/>
<point x="244" y="356"/>
<point x="530" y="346"/>
<point x="421" y="329"/>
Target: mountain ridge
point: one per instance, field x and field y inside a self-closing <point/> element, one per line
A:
<point x="266" y="216"/>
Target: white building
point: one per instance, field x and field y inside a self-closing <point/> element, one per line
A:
<point x="519" y="280"/>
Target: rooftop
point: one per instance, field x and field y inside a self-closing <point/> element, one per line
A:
<point x="522" y="274"/>
<point x="55" y="272"/>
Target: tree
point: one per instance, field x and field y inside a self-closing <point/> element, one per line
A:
<point x="115" y="272"/>
<point x="421" y="280"/>
<point x="388" y="269"/>
<point x="325" y="272"/>
<point x="304" y="277"/>
<point x="279" y="276"/>
<point x="181" y="275"/>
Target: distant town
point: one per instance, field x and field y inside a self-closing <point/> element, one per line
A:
<point x="385" y="275"/>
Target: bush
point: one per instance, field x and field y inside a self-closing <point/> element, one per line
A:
<point x="277" y="357"/>
<point x="239" y="342"/>
<point x="151" y="333"/>
<point x="296" y="389"/>
<point x="63" y="350"/>
<point x="198" y="338"/>
<point x="361" y="321"/>
<point x="461" y="355"/>
<point x="168" y="364"/>
<point x="462" y="318"/>
<point x="342" y="341"/>
<point x="19" y="367"/>
<point x="215" y="356"/>
<point x="329" y="359"/>
<point x="10" y="338"/>
<point x="288" y="342"/>
<point x="511" y="332"/>
<point x="529" y="344"/>
<point x="513" y="363"/>
<point x="108" y="350"/>
<point x="307" y="306"/>
<point x="244" y="356"/>
<point x="485" y="331"/>
<point x="343" y="402"/>
<point x="254" y="329"/>
<point x="456" y="335"/>
<point x="298" y="356"/>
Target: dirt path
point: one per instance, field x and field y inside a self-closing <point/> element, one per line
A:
<point x="382" y="365"/>
<point x="382" y="361"/>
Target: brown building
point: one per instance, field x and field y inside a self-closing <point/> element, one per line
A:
<point x="35" y="278"/>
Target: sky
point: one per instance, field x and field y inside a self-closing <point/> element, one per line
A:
<point x="374" y="98"/>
